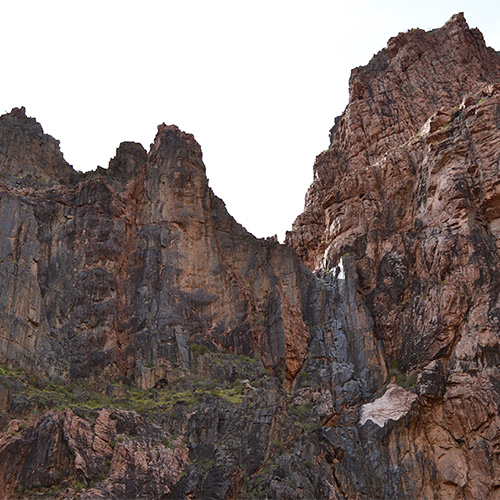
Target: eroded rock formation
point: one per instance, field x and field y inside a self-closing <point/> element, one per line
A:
<point x="409" y="188"/>
<point x="138" y="275"/>
<point x="152" y="347"/>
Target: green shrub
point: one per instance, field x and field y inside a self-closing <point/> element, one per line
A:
<point x="300" y="412"/>
<point x="199" y="349"/>
<point x="401" y="378"/>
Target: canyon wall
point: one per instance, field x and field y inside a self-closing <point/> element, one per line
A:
<point x="150" y="347"/>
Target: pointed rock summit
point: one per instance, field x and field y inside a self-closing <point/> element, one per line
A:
<point x="26" y="152"/>
<point x="391" y="98"/>
<point x="409" y="190"/>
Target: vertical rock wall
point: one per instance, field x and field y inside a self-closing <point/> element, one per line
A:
<point x="168" y="353"/>
<point x="408" y="189"/>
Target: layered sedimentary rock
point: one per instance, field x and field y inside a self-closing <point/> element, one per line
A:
<point x="152" y="348"/>
<point x="138" y="275"/>
<point x="409" y="188"/>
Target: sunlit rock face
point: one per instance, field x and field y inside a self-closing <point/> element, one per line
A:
<point x="409" y="189"/>
<point x="168" y="353"/>
<point x="136" y="275"/>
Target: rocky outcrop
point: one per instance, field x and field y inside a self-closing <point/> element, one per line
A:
<point x="224" y="428"/>
<point x="138" y="275"/>
<point x="150" y="347"/>
<point x="408" y="188"/>
<point x="27" y="153"/>
<point x="131" y="265"/>
<point x="120" y="456"/>
<point x="390" y="99"/>
<point x="393" y="405"/>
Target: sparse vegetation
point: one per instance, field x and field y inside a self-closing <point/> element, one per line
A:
<point x="300" y="412"/>
<point x="302" y="416"/>
<point x="400" y="378"/>
<point x="205" y="464"/>
<point x="87" y="399"/>
<point x="35" y="489"/>
<point x="277" y="444"/>
<point x="263" y="320"/>
<point x="199" y="349"/>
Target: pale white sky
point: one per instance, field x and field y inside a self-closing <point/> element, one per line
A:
<point x="258" y="83"/>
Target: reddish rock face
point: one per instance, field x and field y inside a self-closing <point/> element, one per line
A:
<point x="127" y="275"/>
<point x="131" y="265"/>
<point x="390" y="100"/>
<point x="409" y="189"/>
<point x="374" y="377"/>
<point x="121" y="446"/>
<point x="138" y="275"/>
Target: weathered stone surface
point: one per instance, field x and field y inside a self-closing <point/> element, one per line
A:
<point x="132" y="272"/>
<point x="114" y="275"/>
<point x="409" y="189"/>
<point x="393" y="405"/>
<point x="27" y="153"/>
<point x="390" y="100"/>
<point x="122" y="453"/>
<point x="249" y="376"/>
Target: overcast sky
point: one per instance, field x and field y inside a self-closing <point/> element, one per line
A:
<point x="258" y="83"/>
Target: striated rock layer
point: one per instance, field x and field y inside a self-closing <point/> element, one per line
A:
<point x="409" y="189"/>
<point x="152" y="348"/>
<point x="136" y="276"/>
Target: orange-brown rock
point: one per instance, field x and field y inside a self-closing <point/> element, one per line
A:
<point x="131" y="265"/>
<point x="136" y="276"/>
<point x="409" y="189"/>
<point x="376" y="376"/>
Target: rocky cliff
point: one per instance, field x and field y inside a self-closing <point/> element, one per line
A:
<point x="409" y="188"/>
<point x="152" y="348"/>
